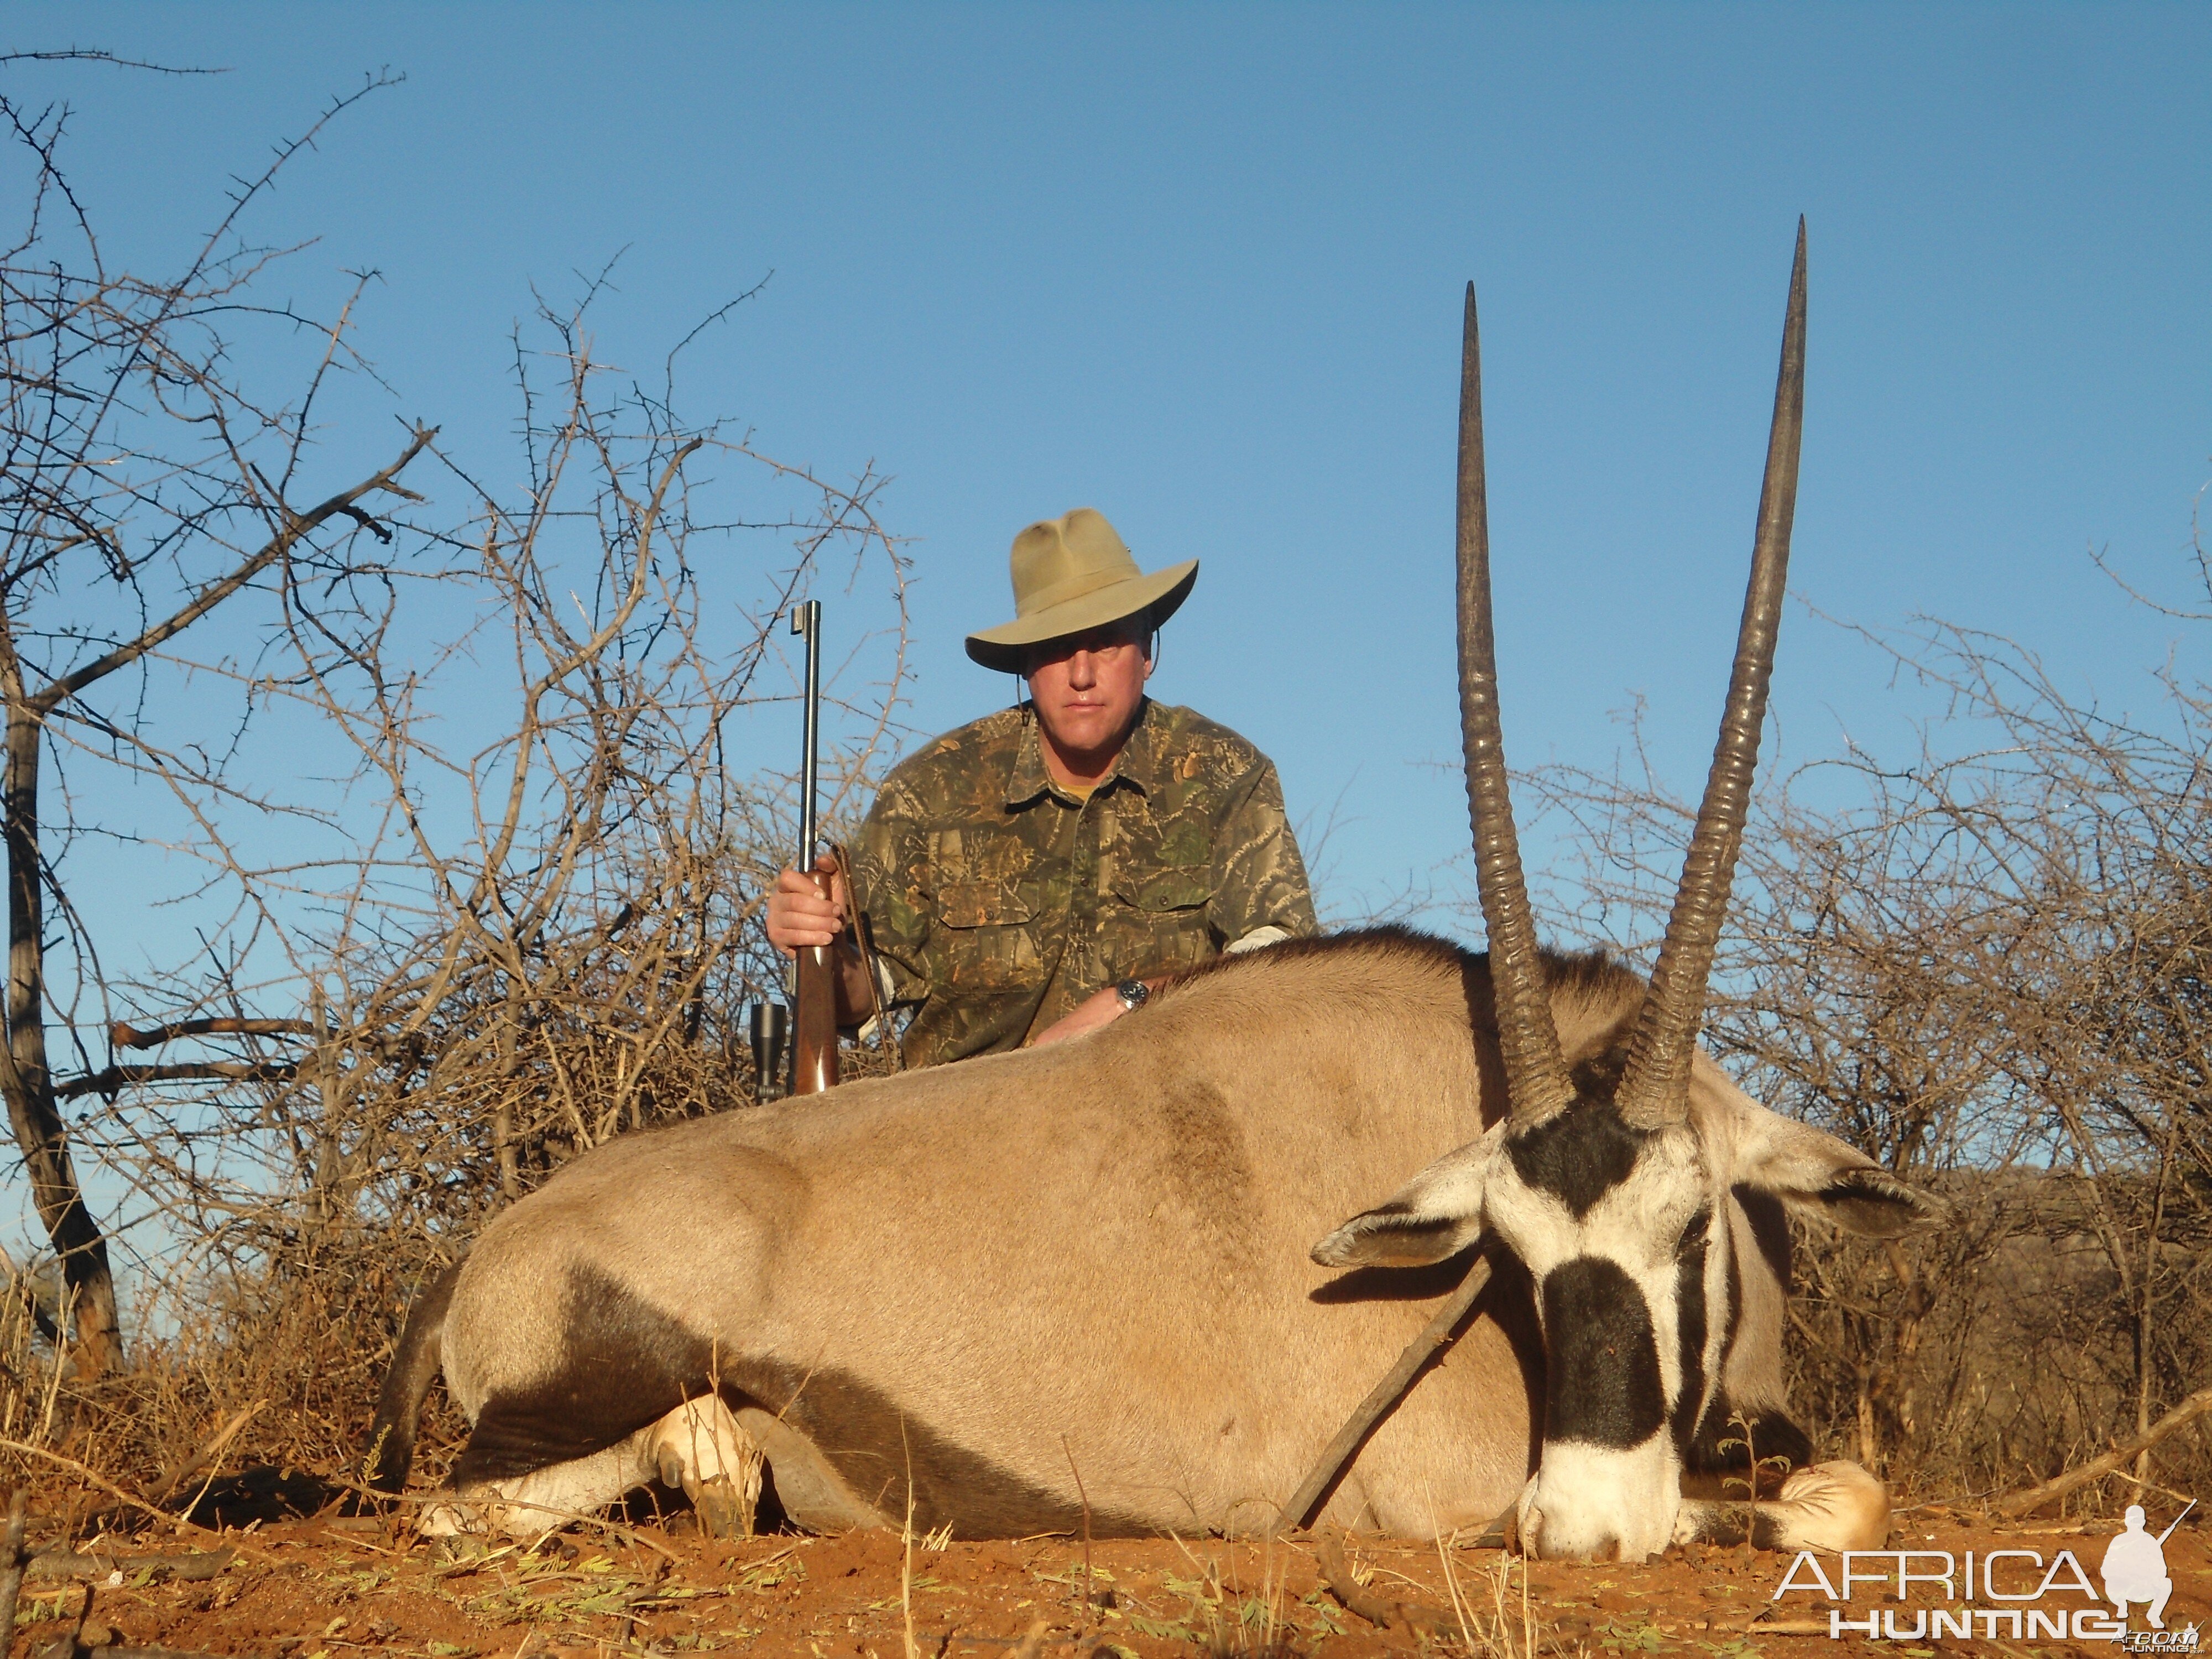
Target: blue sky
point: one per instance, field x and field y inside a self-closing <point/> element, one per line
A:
<point x="1199" y="266"/>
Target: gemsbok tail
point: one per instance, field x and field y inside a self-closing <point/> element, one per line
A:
<point x="415" y="1364"/>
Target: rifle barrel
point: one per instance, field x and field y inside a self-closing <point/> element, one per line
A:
<point x="2176" y="1522"/>
<point x="806" y="622"/>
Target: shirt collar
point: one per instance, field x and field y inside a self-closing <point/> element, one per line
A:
<point x="1136" y="764"/>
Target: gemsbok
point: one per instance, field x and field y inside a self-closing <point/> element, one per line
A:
<point x="1080" y="1285"/>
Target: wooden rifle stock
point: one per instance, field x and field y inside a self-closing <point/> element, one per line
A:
<point x="814" y="1020"/>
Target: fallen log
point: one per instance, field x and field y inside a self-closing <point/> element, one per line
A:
<point x="2097" y="1469"/>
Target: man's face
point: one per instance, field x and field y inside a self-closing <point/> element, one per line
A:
<point x="1087" y="686"/>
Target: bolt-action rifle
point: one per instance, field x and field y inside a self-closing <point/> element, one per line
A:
<point x="809" y="1027"/>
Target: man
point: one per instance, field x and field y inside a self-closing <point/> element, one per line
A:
<point x="1028" y="876"/>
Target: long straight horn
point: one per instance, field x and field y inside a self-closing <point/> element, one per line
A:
<point x="1535" y="1079"/>
<point x="1654" y="1083"/>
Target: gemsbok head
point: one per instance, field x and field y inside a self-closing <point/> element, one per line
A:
<point x="1610" y="1189"/>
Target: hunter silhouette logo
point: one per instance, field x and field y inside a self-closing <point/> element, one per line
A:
<point x="2133" y="1568"/>
<point x="2008" y="1593"/>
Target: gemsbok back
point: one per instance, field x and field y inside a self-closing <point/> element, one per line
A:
<point x="1012" y="1294"/>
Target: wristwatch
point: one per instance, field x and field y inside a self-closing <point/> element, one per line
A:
<point x="1132" y="993"/>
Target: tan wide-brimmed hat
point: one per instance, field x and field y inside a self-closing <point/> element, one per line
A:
<point x="1073" y="574"/>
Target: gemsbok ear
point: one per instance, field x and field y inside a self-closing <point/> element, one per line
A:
<point x="1817" y="1175"/>
<point x="1433" y="1216"/>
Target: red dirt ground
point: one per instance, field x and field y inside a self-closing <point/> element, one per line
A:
<point x="324" y="1589"/>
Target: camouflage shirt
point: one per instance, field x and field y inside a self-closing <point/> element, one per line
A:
<point x="999" y="900"/>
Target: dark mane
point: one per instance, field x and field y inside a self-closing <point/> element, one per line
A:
<point x="1596" y="975"/>
<point x="1390" y="942"/>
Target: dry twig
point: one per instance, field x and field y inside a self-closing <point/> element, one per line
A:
<point x="1328" y="1549"/>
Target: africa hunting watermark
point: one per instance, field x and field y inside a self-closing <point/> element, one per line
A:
<point x="2031" y="1600"/>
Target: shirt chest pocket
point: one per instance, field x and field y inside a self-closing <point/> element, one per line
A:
<point x="1161" y="918"/>
<point x="986" y="913"/>
<point x="964" y="904"/>
<point x="1165" y="891"/>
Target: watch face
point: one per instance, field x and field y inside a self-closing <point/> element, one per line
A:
<point x="1133" y="992"/>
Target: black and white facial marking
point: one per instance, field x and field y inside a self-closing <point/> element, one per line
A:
<point x="1630" y="1235"/>
<point x="1614" y="1221"/>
